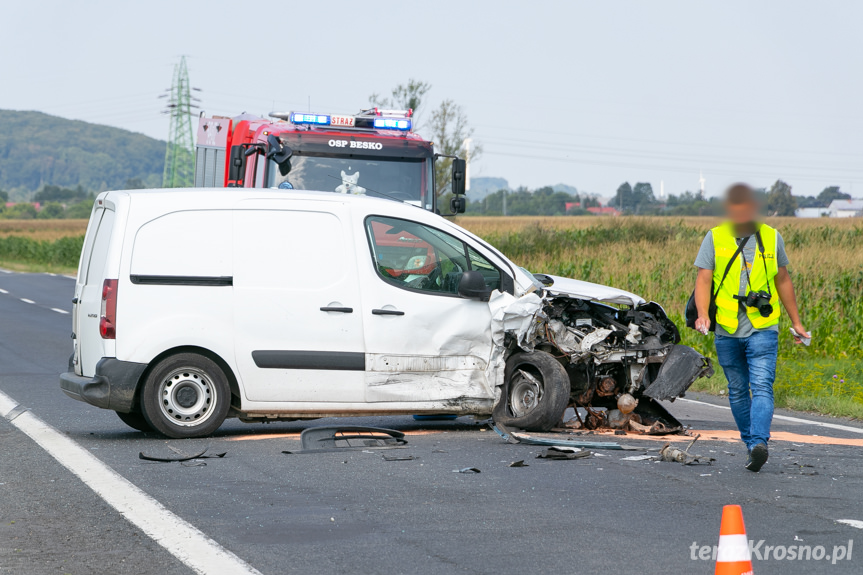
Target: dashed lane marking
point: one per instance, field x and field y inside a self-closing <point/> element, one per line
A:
<point x="58" y="310"/>
<point x="3" y="291"/>
<point x="25" y="300"/>
<point x="179" y="537"/>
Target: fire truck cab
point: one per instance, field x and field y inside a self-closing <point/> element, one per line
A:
<point x="374" y="153"/>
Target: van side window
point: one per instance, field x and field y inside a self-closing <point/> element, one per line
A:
<point x="413" y="256"/>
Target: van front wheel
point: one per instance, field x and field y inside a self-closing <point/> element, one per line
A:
<point x="186" y="395"/>
<point x="535" y="392"/>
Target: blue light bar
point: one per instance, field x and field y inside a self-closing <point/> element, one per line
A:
<point x="403" y="124"/>
<point x="315" y="119"/>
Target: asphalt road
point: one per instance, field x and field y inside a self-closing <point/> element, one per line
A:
<point x="355" y="512"/>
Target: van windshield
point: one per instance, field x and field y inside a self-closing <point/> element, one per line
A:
<point x="403" y="179"/>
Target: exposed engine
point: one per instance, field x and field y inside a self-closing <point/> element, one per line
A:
<point x="622" y="360"/>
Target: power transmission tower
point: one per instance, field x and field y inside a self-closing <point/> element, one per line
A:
<point x="179" y="155"/>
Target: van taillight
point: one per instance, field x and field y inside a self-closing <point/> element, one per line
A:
<point x="108" y="322"/>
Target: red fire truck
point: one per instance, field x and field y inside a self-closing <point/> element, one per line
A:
<point x="374" y="153"/>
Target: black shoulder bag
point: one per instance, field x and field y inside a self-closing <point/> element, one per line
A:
<point x="691" y="312"/>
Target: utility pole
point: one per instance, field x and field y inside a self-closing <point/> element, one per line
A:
<point x="179" y="154"/>
<point x="467" y="142"/>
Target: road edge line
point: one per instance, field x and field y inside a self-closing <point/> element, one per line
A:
<point x="187" y="543"/>
<point x="785" y="417"/>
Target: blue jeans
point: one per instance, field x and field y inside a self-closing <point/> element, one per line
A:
<point x="750" y="366"/>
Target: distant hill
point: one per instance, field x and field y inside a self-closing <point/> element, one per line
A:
<point x="481" y="187"/>
<point x="571" y="190"/>
<point x="37" y="149"/>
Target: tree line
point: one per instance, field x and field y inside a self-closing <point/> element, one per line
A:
<point x="778" y="200"/>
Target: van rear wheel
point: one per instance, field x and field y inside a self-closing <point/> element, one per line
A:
<point x="186" y="395"/>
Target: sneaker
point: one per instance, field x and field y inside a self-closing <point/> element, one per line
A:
<point x="757" y="457"/>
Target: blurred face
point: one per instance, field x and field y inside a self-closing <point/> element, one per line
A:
<point x="744" y="213"/>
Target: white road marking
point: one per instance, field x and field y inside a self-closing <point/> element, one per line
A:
<point x="5" y="271"/>
<point x="786" y="418"/>
<point x="58" y="310"/>
<point x="852" y="522"/>
<point x="3" y="291"/>
<point x="25" y="300"/>
<point x="182" y="539"/>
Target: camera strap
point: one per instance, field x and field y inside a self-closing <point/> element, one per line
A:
<point x="730" y="263"/>
<point x="763" y="261"/>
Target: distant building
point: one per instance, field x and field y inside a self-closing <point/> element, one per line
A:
<point x="846" y="208"/>
<point x="812" y="212"/>
<point x="37" y="205"/>
<point x="572" y="206"/>
<point x="606" y="211"/>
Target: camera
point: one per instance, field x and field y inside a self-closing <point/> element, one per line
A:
<point x="757" y="299"/>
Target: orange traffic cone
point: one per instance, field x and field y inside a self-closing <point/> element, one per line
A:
<point x="732" y="556"/>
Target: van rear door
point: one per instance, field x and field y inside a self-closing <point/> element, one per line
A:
<point x="89" y="345"/>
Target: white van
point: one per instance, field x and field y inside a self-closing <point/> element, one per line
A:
<point x="196" y="305"/>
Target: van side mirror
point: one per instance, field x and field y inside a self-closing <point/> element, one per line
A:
<point x="472" y="285"/>
<point x="236" y="167"/>
<point x="458" y="205"/>
<point x="459" y="168"/>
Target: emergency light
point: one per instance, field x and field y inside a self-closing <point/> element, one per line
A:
<point x="403" y="124"/>
<point x="313" y="119"/>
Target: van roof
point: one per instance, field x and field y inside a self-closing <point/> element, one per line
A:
<point x="226" y="198"/>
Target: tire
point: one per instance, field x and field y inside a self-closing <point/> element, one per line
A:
<point x="535" y="392"/>
<point x="135" y="421"/>
<point x="186" y="395"/>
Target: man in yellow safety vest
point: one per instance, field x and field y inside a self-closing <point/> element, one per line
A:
<point x="742" y="263"/>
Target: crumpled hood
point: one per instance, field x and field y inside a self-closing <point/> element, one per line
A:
<point x="592" y="292"/>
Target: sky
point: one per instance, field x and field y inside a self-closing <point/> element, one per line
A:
<point x="589" y="94"/>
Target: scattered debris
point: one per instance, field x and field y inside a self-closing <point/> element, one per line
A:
<point x="348" y="438"/>
<point x="181" y="457"/>
<point x="673" y="454"/>
<point x="512" y="436"/>
<point x="519" y="463"/>
<point x="399" y="457"/>
<point x="638" y="458"/>
<point x="563" y="452"/>
<point x="467" y="470"/>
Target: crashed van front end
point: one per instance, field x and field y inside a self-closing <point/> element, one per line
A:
<point x="621" y="354"/>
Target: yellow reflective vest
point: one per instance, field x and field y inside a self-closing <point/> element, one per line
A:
<point x="762" y="272"/>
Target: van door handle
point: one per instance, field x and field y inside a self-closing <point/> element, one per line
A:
<point x="387" y="312"/>
<point x="74" y="300"/>
<point x="338" y="309"/>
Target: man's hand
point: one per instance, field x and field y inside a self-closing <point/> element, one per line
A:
<point x="702" y="324"/>
<point x="801" y="332"/>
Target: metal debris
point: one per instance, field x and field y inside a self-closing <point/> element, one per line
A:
<point x="561" y="452"/>
<point x="399" y="458"/>
<point x="519" y="463"/>
<point x="467" y="470"/>
<point x="512" y="436"/>
<point x="673" y="454"/>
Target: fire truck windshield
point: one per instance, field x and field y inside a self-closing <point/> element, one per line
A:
<point x="402" y="179"/>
